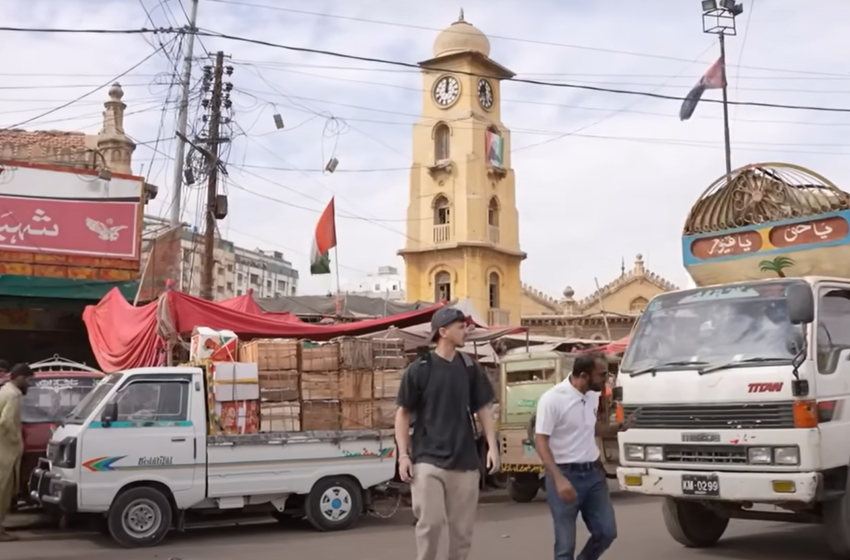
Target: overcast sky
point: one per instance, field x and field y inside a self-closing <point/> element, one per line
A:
<point x="600" y="177"/>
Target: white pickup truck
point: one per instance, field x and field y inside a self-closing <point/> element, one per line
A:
<point x="740" y="402"/>
<point x="136" y="451"/>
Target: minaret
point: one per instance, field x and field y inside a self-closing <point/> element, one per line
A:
<point x="117" y="148"/>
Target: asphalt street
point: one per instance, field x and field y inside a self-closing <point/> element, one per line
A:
<point x="505" y="531"/>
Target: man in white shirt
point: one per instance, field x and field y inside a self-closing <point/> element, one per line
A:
<point x="566" y="430"/>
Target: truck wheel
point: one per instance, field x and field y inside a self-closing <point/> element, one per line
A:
<point x="522" y="488"/>
<point x="692" y="524"/>
<point x="140" y="517"/>
<point x="334" y="504"/>
<point x="836" y="522"/>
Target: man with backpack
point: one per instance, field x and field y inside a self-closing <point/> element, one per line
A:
<point x="440" y="392"/>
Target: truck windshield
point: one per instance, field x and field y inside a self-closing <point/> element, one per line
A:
<point x="50" y="399"/>
<point x="715" y="326"/>
<point x="91" y="401"/>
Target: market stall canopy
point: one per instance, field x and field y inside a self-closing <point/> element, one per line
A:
<point x="417" y="336"/>
<point x="123" y="336"/>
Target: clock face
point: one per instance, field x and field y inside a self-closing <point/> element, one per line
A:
<point x="446" y="91"/>
<point x="485" y="94"/>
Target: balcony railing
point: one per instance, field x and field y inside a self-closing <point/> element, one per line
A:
<point x="499" y="318"/>
<point x="442" y="233"/>
<point x="494" y="234"/>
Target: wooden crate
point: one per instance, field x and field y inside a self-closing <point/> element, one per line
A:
<point x="388" y="353"/>
<point x="386" y="383"/>
<point x="355" y="385"/>
<point x="383" y="414"/>
<point x="271" y="354"/>
<point x="321" y="357"/>
<point x="357" y="415"/>
<point x="320" y="386"/>
<point x="280" y="386"/>
<point x="321" y="415"/>
<point x="280" y="417"/>
<point x="356" y="353"/>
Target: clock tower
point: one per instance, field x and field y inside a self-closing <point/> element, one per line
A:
<point x="462" y="222"/>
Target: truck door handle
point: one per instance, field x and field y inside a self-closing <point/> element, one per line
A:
<point x="178" y="439"/>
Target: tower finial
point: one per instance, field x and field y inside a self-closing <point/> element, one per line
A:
<point x="461" y="15"/>
<point x="623" y="266"/>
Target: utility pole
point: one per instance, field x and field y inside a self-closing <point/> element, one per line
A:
<point x="718" y="18"/>
<point x="183" y="116"/>
<point x="211" y="210"/>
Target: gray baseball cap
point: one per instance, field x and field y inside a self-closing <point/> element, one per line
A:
<point x="444" y="317"/>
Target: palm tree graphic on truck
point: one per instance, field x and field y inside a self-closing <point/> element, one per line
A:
<point x="777" y="265"/>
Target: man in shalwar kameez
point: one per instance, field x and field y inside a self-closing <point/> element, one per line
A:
<point x="11" y="440"/>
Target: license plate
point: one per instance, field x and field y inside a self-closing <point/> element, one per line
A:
<point x="700" y="485"/>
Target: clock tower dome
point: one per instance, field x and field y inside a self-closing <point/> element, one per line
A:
<point x="462" y="222"/>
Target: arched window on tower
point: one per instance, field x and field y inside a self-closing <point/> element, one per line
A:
<point x="638" y="305"/>
<point x="442" y="145"/>
<point x="497" y="317"/>
<point x="442" y="219"/>
<point x="442" y="286"/>
<point x="493" y="220"/>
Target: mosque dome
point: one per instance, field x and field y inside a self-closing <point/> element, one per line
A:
<point x="461" y="36"/>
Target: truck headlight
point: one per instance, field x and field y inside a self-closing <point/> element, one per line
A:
<point x="67" y="453"/>
<point x="760" y="455"/>
<point x="786" y="456"/>
<point x="635" y="452"/>
<point x="654" y="453"/>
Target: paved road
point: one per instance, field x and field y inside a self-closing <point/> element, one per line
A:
<point x="505" y="531"/>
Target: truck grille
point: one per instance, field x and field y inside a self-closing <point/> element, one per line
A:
<point x="749" y="416"/>
<point x="709" y="454"/>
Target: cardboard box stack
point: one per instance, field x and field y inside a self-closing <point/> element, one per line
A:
<point x="233" y="399"/>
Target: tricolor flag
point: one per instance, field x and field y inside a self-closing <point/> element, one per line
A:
<point x="323" y="242"/>
<point x="714" y="78"/>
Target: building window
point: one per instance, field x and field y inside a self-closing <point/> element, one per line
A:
<point x="255" y="279"/>
<point x="238" y="292"/>
<point x="442" y="286"/>
<point x="240" y="278"/>
<point x="219" y="289"/>
<point x="493" y="290"/>
<point x="493" y="220"/>
<point x="229" y="287"/>
<point x="442" y="218"/>
<point x="268" y="284"/>
<point x="442" y="146"/>
<point x="230" y="268"/>
<point x="638" y="305"/>
<point x="293" y="290"/>
<point x="377" y="287"/>
<point x="281" y="286"/>
<point x="220" y="271"/>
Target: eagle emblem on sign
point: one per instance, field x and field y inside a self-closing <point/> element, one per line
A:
<point x="105" y="231"/>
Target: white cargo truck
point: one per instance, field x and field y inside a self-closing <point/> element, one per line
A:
<point x="137" y="452"/>
<point x="740" y="401"/>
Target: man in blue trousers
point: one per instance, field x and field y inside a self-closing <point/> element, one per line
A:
<point x="565" y="438"/>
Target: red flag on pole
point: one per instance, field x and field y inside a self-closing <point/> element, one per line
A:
<point x="714" y="78"/>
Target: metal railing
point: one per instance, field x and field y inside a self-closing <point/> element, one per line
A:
<point x="442" y="233"/>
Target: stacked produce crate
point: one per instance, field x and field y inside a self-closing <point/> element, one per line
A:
<point x="389" y="363"/>
<point x="345" y="384"/>
<point x="280" y="396"/>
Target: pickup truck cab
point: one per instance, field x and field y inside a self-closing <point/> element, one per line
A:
<point x="136" y="451"/>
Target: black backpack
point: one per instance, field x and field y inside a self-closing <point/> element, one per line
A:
<point x="423" y="377"/>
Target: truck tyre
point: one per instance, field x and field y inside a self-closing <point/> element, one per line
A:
<point x="836" y="522"/>
<point x="692" y="524"/>
<point x="140" y="517"/>
<point x="334" y="504"/>
<point x="523" y="488"/>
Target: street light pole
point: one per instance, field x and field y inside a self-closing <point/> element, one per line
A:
<point x="718" y="18"/>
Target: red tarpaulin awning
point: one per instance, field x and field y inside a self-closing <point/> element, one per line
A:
<point x="616" y="347"/>
<point x="123" y="336"/>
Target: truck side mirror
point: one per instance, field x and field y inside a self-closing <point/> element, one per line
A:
<point x="109" y="414"/>
<point x="801" y="304"/>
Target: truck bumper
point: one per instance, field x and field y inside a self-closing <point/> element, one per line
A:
<point x="50" y="491"/>
<point x="761" y="488"/>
